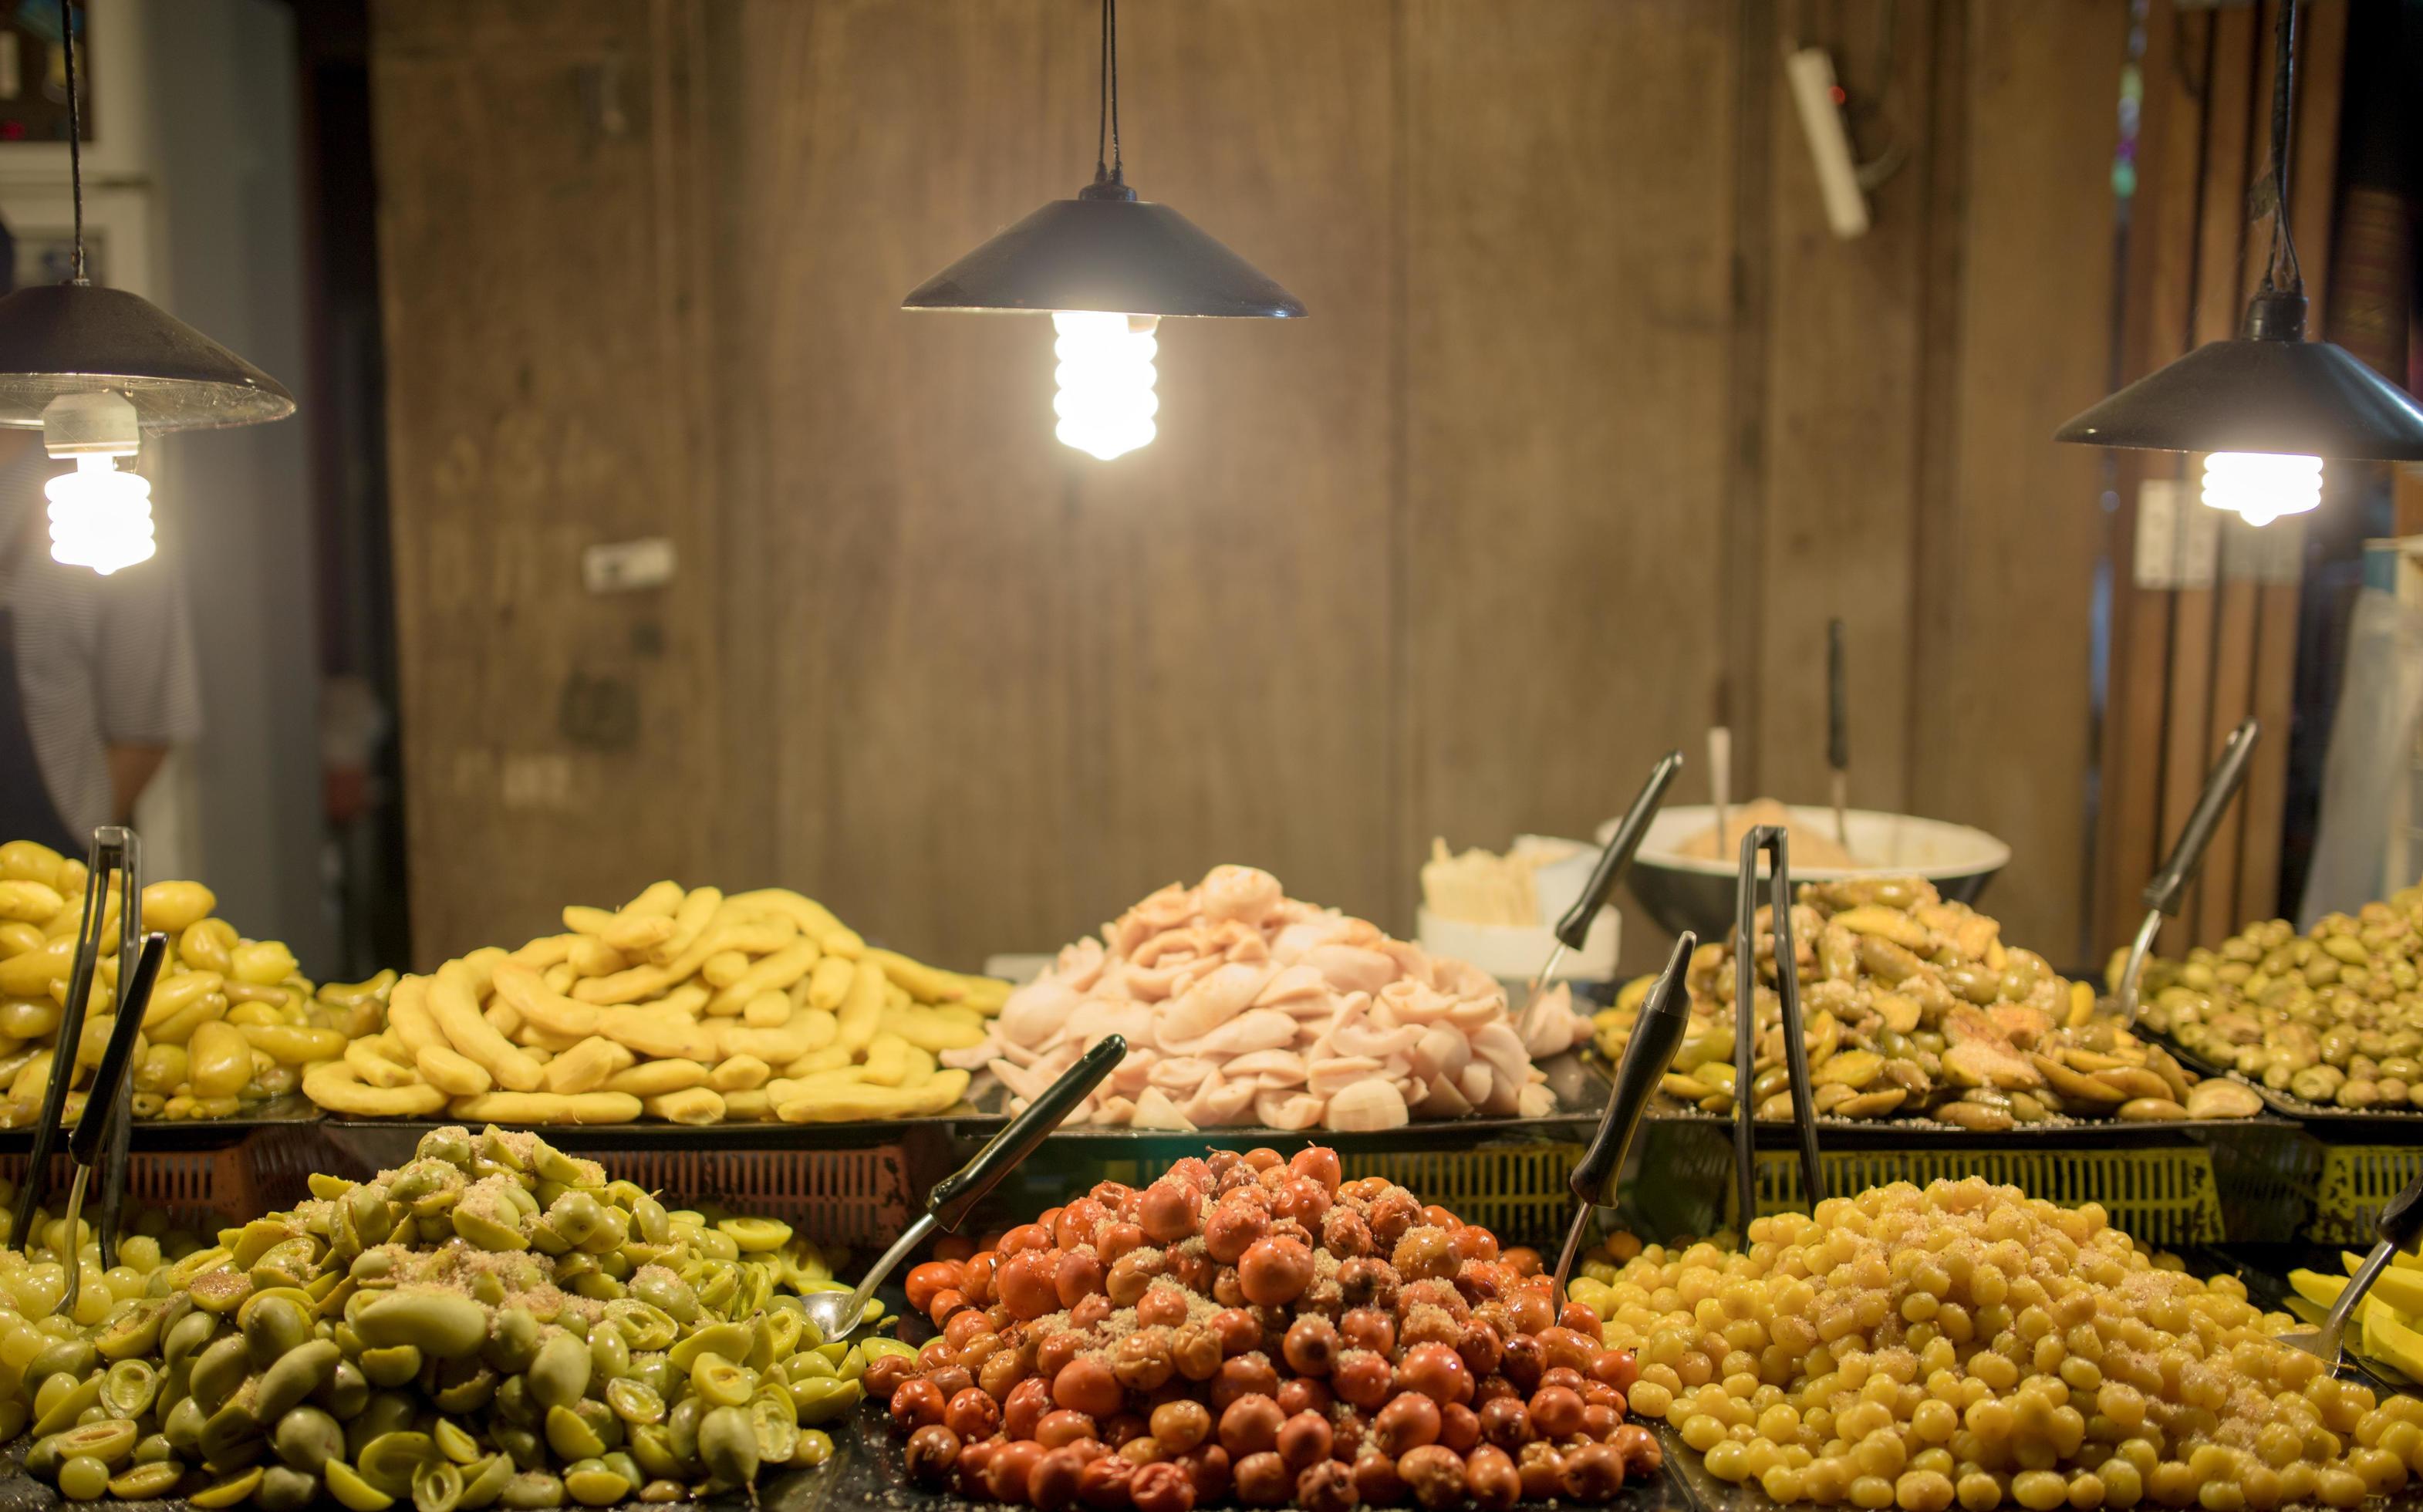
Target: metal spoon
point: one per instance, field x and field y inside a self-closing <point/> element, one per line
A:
<point x="956" y="1195"/>
<point x="91" y="1136"/>
<point x="2397" y="1226"/>
<point x="1575" y="927"/>
<point x="2169" y="885"/>
<point x="1657" y="1034"/>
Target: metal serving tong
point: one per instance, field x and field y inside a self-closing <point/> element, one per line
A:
<point x="1771" y="839"/>
<point x="116" y="850"/>
<point x="1657" y="1034"/>
<point x="2397" y="1226"/>
<point x="89" y="1141"/>
<point x="1575" y="927"/>
<point x="2163" y="894"/>
<point x="956" y="1195"/>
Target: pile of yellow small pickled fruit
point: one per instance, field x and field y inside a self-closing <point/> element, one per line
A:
<point x="1968" y="1344"/>
<point x="231" y="1021"/>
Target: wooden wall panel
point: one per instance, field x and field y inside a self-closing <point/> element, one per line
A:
<point x="2000" y="716"/>
<point x="542" y="368"/>
<point x="1839" y="435"/>
<point x="1591" y="419"/>
<point x="2198" y="650"/>
<point x="1013" y="688"/>
<point x="1567" y="326"/>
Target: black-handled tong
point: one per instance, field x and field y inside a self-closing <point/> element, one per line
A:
<point x="116" y="852"/>
<point x="1772" y="840"/>
<point x="1656" y="1033"/>
<point x="91" y="1136"/>
<point x="2169" y="886"/>
<point x="1574" y="929"/>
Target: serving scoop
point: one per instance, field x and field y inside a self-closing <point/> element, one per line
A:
<point x="956" y="1195"/>
<point x="2398" y="1224"/>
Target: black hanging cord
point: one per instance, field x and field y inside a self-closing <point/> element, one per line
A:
<point x="75" y="133"/>
<point x="2283" y="272"/>
<point x="1107" y="119"/>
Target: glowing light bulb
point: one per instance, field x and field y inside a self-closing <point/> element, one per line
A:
<point x="101" y="518"/>
<point x="1105" y="402"/>
<point x="2262" y="485"/>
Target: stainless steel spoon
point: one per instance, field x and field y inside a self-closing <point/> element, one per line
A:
<point x="2398" y="1224"/>
<point x="956" y="1195"/>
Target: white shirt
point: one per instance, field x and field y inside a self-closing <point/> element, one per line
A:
<point x="101" y="662"/>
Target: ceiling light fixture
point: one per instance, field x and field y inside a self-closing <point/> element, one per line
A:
<point x="94" y="368"/>
<point x="1107" y="266"/>
<point x="2266" y="407"/>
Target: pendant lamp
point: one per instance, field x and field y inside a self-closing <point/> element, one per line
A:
<point x="2266" y="407"/>
<point x="93" y="369"/>
<point x="1106" y="266"/>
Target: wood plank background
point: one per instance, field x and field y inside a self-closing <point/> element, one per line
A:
<point x="2207" y="638"/>
<point x="1592" y="428"/>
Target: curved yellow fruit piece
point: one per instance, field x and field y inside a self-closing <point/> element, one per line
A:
<point x="2317" y="1288"/>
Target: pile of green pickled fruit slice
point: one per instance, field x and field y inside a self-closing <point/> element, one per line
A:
<point x="494" y="1324"/>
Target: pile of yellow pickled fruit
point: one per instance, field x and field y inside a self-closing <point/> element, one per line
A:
<point x="2389" y="1325"/>
<point x="686" y="1004"/>
<point x="1968" y="1344"/>
<point x="1914" y="1007"/>
<point x="2334" y="1016"/>
<point x="494" y="1323"/>
<point x="231" y="1021"/>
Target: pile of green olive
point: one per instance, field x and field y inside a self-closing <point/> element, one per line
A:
<point x="494" y="1324"/>
<point x="2334" y="1016"/>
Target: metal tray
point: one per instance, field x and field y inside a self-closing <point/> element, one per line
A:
<point x="1869" y="1134"/>
<point x="1581" y="1088"/>
<point x="867" y="1471"/>
<point x="194" y="1134"/>
<point x="2407" y="1123"/>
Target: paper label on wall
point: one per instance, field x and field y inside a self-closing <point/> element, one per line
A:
<point x="2178" y="540"/>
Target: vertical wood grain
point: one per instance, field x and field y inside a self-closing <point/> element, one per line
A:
<point x="2002" y="714"/>
<point x="1568" y="296"/>
<point x="542" y="368"/>
<point x="1840" y="435"/>
<point x="2322" y="51"/>
<point x="1017" y="688"/>
<point x="2157" y="312"/>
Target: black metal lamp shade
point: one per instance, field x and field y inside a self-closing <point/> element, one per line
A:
<point x="2265" y="390"/>
<point x="75" y="338"/>
<point x="1123" y="256"/>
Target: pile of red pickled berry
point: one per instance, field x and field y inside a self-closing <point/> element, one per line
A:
<point x="1255" y="1329"/>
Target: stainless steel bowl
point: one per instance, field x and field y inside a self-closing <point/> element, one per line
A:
<point x="1696" y="893"/>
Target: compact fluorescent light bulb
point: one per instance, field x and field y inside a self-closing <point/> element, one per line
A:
<point x="1105" y="402"/>
<point x="101" y="518"/>
<point x="2262" y="485"/>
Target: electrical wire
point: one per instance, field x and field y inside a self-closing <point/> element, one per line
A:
<point x="1107" y="118"/>
<point x="75" y="135"/>
<point x="2281" y="272"/>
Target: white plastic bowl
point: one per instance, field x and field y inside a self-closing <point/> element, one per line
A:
<point x="1696" y="893"/>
